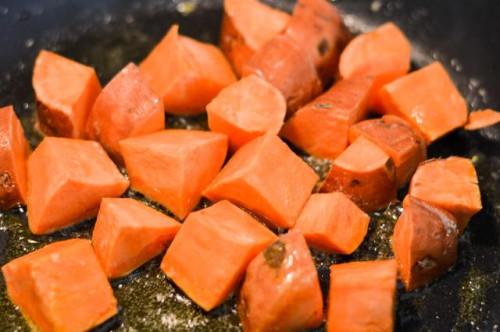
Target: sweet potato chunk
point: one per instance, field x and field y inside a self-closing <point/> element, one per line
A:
<point x="61" y="287"/>
<point x="210" y="253"/>
<point x="247" y="109"/>
<point x="333" y="223"/>
<point x="186" y="74"/>
<point x="14" y="151"/>
<point x="450" y="184"/>
<point x="128" y="233"/>
<point x="424" y="243"/>
<point x="172" y="167"/>
<point x="362" y="296"/>
<point x="428" y="100"/>
<point x="65" y="91"/>
<point x="281" y="290"/>
<point x="266" y="177"/>
<point x="482" y="118"/>
<point x="287" y="66"/>
<point x="365" y="173"/>
<point x="398" y="139"/>
<point x="242" y="29"/>
<point x="126" y="107"/>
<point x="321" y="127"/>
<point x="67" y="178"/>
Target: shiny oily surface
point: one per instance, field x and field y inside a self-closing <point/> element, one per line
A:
<point x="108" y="34"/>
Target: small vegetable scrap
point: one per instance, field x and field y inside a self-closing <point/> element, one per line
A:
<point x="482" y="118"/>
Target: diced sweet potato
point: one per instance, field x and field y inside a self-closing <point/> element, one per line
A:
<point x="173" y="167"/>
<point x="65" y="91"/>
<point x="281" y="290"/>
<point x="242" y="29"/>
<point x="128" y="233"/>
<point x="14" y="150"/>
<point x="365" y="173"/>
<point x="186" y="74"/>
<point x="450" y="184"/>
<point x="210" y="253"/>
<point x="287" y="66"/>
<point x="321" y="127"/>
<point x="61" y="287"/>
<point x="482" y="118"/>
<point x="398" y="139"/>
<point x="428" y="100"/>
<point x="67" y="178"/>
<point x="316" y="25"/>
<point x="424" y="243"/>
<point x="266" y="177"/>
<point x="332" y="222"/>
<point x="362" y="297"/>
<point x="247" y="109"/>
<point x="126" y="107"/>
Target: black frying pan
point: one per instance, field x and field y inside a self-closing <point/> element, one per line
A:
<point x="109" y="33"/>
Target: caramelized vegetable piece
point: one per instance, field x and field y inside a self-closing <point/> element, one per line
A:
<point x="428" y="100"/>
<point x="61" y="287"/>
<point x="424" y="243"/>
<point x="482" y="119"/>
<point x="125" y="108"/>
<point x="333" y="223"/>
<point x="398" y="139"/>
<point x="362" y="296"/>
<point x="266" y="177"/>
<point x="450" y="184"/>
<point x="365" y="173"/>
<point x="317" y="27"/>
<point x="210" y="253"/>
<point x="67" y="178"/>
<point x="281" y="290"/>
<point x="14" y="151"/>
<point x="287" y="66"/>
<point x="321" y="127"/>
<point x="128" y="233"/>
<point x="65" y="91"/>
<point x="247" y="109"/>
<point x="242" y="29"/>
<point x="186" y="74"/>
<point x="172" y="167"/>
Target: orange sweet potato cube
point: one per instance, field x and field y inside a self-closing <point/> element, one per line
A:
<point x="210" y="253"/>
<point x="61" y="287"/>
<point x="128" y="233"/>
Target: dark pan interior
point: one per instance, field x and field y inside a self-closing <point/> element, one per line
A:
<point x="109" y="33"/>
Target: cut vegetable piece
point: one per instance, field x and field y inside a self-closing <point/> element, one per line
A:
<point x="428" y="100"/>
<point x="362" y="297"/>
<point x="247" y="109"/>
<point x="128" y="233"/>
<point x="67" y="178"/>
<point x="482" y="119"/>
<point x="450" y="184"/>
<point x="424" y="243"/>
<point x="14" y="150"/>
<point x="172" y="167"/>
<point x="186" y="74"/>
<point x="316" y="25"/>
<point x="398" y="139"/>
<point x="65" y="91"/>
<point x="365" y="173"/>
<point x="286" y="65"/>
<point x="281" y="290"/>
<point x="210" y="253"/>
<point x="126" y="107"/>
<point x="61" y="287"/>
<point x="242" y="33"/>
<point x="266" y="177"/>
<point x="321" y="127"/>
<point x="332" y="222"/>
